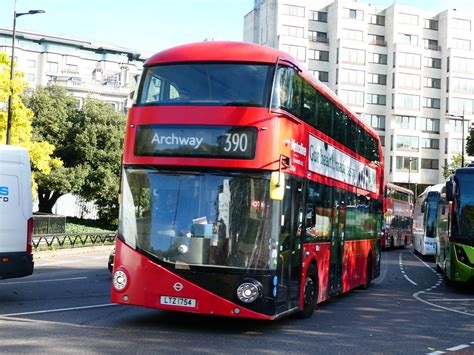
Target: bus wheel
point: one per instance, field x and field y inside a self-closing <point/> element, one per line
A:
<point x="310" y="296"/>
<point x="368" y="273"/>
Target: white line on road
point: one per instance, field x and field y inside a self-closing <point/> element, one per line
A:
<point x="403" y="271"/>
<point x="459" y="347"/>
<point x="37" y="281"/>
<point x="437" y="352"/>
<point x="450" y="299"/>
<point x="58" y="310"/>
<point x="66" y="262"/>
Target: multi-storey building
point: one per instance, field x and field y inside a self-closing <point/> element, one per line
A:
<point x="84" y="68"/>
<point x="408" y="72"/>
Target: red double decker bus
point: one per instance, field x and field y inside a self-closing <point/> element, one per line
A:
<point x="398" y="231"/>
<point x="248" y="189"/>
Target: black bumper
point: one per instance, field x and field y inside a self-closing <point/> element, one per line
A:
<point x="15" y="265"/>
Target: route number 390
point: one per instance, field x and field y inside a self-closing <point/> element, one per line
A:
<point x="236" y="142"/>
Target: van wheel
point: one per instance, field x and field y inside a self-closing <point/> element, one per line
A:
<point x="368" y="273"/>
<point x="310" y="292"/>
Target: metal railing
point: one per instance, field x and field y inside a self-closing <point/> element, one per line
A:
<point x="63" y="240"/>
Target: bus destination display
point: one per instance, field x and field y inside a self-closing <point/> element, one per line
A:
<point x="228" y="142"/>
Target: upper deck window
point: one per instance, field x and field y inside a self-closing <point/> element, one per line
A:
<point x="210" y="84"/>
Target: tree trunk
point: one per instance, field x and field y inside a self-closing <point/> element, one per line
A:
<point x="47" y="199"/>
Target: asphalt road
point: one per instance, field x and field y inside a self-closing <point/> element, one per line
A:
<point x="65" y="308"/>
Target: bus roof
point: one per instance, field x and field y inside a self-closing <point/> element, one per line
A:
<point x="399" y="188"/>
<point x="464" y="171"/>
<point x="244" y="52"/>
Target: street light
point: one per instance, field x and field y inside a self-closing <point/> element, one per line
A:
<point x="409" y="171"/>
<point x="461" y="118"/>
<point x="10" y="98"/>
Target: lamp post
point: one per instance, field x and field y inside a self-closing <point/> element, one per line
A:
<point x="461" y="118"/>
<point x="10" y="98"/>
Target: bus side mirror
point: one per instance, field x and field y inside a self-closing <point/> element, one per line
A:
<point x="277" y="185"/>
<point x="423" y="208"/>
<point x="449" y="190"/>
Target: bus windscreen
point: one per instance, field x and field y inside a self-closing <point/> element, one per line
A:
<point x="213" y="84"/>
<point x="465" y="205"/>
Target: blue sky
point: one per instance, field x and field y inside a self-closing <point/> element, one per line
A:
<point x="149" y="26"/>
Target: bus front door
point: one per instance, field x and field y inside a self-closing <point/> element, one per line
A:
<point x="289" y="257"/>
<point x="337" y="248"/>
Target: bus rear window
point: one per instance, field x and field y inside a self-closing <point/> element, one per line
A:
<point x="215" y="84"/>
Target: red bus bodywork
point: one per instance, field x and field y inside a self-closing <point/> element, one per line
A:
<point x="277" y="134"/>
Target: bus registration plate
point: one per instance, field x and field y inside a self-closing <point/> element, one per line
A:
<point x="178" y="301"/>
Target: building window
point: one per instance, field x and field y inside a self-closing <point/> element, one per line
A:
<point x="293" y="31"/>
<point x="409" y="143"/>
<point x="380" y="79"/>
<point x="461" y="24"/>
<point x="377" y="58"/>
<point x="292" y="10"/>
<point x="407" y="102"/>
<point x="377" y="20"/>
<point x="354" y="35"/>
<point x="375" y="121"/>
<point x="53" y="67"/>
<point x="71" y="68"/>
<point x="430" y="102"/>
<point x="31" y="77"/>
<point x="408" y="19"/>
<point x="323" y="76"/>
<point x="315" y="54"/>
<point x="431" y="44"/>
<point x="352" y="56"/>
<point x="407" y="60"/>
<point x="460" y="105"/>
<point x="406" y="164"/>
<point x="429" y="143"/>
<point x="404" y="122"/>
<point x="31" y="63"/>
<point x="462" y="65"/>
<point x="407" y="38"/>
<point x="462" y="85"/>
<point x="350" y="97"/>
<point x="319" y="16"/>
<point x="432" y="83"/>
<point x="408" y="81"/>
<point x="456" y="126"/>
<point x="456" y="145"/>
<point x="461" y="43"/>
<point x="430" y="164"/>
<point x="298" y="52"/>
<point x="376" y="99"/>
<point x="316" y="36"/>
<point x="429" y="125"/>
<point x="349" y="76"/>
<point x="353" y="14"/>
<point x="431" y="24"/>
<point x="377" y="40"/>
<point x="382" y="141"/>
<point x="430" y="62"/>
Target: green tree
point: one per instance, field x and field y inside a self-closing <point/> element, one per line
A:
<point x="99" y="136"/>
<point x="470" y="143"/>
<point x="89" y="142"/>
<point x="453" y="165"/>
<point x="54" y="114"/>
<point x="40" y="150"/>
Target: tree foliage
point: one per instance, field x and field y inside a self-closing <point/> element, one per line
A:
<point x="40" y="150"/>
<point x="89" y="142"/>
<point x="453" y="165"/>
<point x="470" y="143"/>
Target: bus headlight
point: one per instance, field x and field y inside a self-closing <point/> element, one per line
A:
<point x="120" y="280"/>
<point x="461" y="255"/>
<point x="249" y="291"/>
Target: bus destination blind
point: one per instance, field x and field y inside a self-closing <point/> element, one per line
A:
<point x="228" y="142"/>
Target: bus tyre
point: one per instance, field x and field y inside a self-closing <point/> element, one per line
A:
<point x="310" y="292"/>
<point x="368" y="273"/>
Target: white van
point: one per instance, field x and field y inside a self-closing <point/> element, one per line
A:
<point x="16" y="213"/>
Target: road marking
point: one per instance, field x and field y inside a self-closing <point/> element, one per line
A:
<point x="403" y="271"/>
<point x="37" y="281"/>
<point x="417" y="297"/>
<point x="437" y="352"/>
<point x="58" y="310"/>
<point x="459" y="347"/>
<point x="39" y="264"/>
<point x="450" y="299"/>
